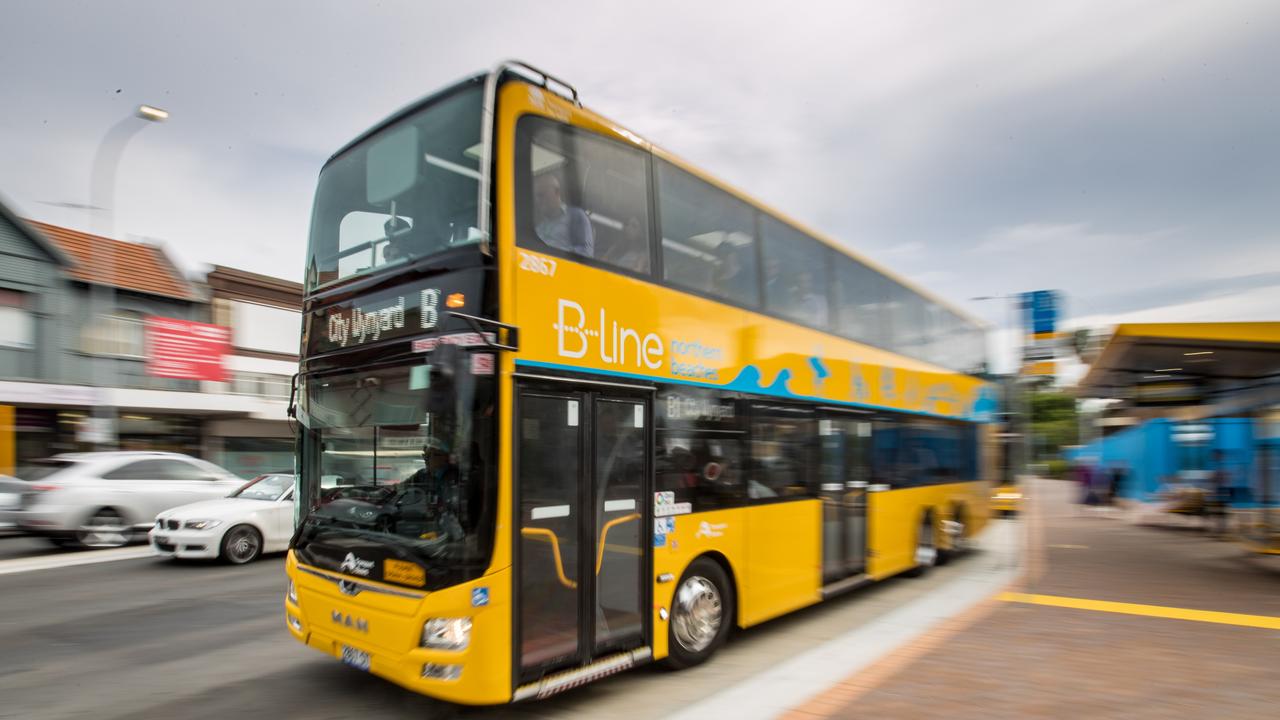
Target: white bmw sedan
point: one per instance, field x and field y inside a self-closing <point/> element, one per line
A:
<point x="255" y="519"/>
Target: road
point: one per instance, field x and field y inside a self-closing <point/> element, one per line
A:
<point x="144" y="638"/>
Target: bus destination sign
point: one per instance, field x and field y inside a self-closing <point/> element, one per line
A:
<point x="401" y="312"/>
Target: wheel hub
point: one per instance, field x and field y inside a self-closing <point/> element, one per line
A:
<point x="698" y="614"/>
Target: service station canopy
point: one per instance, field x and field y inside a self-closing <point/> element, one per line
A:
<point x="1231" y="367"/>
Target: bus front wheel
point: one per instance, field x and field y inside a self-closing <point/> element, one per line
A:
<point x="701" y="613"/>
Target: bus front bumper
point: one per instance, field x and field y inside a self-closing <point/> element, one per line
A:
<point x="480" y="674"/>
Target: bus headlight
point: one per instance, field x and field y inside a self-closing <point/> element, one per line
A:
<point x="447" y="633"/>
<point x="292" y="593"/>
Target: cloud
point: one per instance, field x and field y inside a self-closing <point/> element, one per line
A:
<point x="1021" y="147"/>
<point x="1078" y="237"/>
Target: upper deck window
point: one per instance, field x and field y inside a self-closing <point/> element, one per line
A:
<point x="582" y="194"/>
<point x="795" y="274"/>
<point x="405" y="192"/>
<point x="708" y="238"/>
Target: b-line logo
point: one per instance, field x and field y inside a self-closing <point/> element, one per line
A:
<point x="616" y="344"/>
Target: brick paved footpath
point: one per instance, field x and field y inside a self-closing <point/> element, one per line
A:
<point x="1124" y="658"/>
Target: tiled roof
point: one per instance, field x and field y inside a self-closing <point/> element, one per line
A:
<point x="124" y="265"/>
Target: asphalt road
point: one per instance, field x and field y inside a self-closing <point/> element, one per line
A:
<point x="146" y="638"/>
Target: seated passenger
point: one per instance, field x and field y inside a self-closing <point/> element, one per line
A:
<point x="809" y="305"/>
<point x="728" y="274"/>
<point x="559" y="225"/>
<point x="632" y="251"/>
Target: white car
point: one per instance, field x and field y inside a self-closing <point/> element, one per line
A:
<point x="256" y="519"/>
<point x="99" y="499"/>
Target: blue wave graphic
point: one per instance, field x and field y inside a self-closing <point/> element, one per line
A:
<point x="984" y="405"/>
<point x="820" y="371"/>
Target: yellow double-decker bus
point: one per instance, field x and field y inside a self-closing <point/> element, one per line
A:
<point x="568" y="405"/>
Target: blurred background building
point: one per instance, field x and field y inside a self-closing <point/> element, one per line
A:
<point x="105" y="344"/>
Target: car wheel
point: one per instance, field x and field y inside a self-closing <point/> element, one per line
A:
<point x="926" y="553"/>
<point x="105" y="529"/>
<point x="241" y="544"/>
<point x="701" y="613"/>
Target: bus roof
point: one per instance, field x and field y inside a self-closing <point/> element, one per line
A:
<point x="506" y="70"/>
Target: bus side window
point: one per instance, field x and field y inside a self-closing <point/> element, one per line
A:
<point x="708" y="238"/>
<point x="781" y="457"/>
<point x="580" y="194"/>
<point x="703" y="471"/>
<point x="795" y="274"/>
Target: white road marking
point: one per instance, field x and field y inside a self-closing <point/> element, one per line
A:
<point x="61" y="560"/>
<point x="792" y="682"/>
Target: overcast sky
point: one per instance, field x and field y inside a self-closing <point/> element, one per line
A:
<point x="1127" y="153"/>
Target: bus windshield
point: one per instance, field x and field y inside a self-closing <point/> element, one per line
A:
<point x="401" y="459"/>
<point x="403" y="193"/>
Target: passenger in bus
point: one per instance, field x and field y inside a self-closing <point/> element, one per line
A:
<point x="559" y="225"/>
<point x="632" y="250"/>
<point x="808" y="304"/>
<point x="728" y="274"/>
<point x="775" y="288"/>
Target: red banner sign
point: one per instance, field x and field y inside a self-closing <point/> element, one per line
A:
<point x="187" y="350"/>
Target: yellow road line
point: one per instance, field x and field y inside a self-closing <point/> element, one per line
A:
<point x="1209" y="616"/>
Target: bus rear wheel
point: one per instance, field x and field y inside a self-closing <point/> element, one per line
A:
<point x="701" y="613"/>
<point x="957" y="532"/>
<point x="926" y="552"/>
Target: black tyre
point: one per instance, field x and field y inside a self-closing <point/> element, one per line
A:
<point x="701" y="614"/>
<point x="926" y="553"/>
<point x="105" y="528"/>
<point x="241" y="544"/>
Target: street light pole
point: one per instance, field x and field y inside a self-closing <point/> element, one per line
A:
<point x="102" y="181"/>
<point x="1020" y="398"/>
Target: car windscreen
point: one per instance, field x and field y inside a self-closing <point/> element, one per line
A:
<point x="265" y="487"/>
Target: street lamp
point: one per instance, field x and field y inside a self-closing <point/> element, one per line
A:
<point x="106" y="163"/>
<point x="1014" y="301"/>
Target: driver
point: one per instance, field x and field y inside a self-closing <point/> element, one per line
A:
<point x="438" y="477"/>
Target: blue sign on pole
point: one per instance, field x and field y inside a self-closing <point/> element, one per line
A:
<point x="1040" y="311"/>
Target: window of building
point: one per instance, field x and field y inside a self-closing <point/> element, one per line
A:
<point x="261" y="384"/>
<point x="708" y="238"/>
<point x="795" y="274"/>
<point x="583" y="195"/>
<point x="122" y="334"/>
<point x="17" y="325"/>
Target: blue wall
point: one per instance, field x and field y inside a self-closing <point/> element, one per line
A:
<point x="1153" y="459"/>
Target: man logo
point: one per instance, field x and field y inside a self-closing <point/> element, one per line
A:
<point x="355" y="566"/>
<point x="347" y="621"/>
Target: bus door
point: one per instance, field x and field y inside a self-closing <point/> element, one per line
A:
<point x="845" y="442"/>
<point x="582" y="474"/>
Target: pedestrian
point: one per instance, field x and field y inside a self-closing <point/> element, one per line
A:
<point x="1218" y="501"/>
<point x="1116" y="491"/>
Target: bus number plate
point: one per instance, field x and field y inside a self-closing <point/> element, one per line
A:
<point x="357" y="659"/>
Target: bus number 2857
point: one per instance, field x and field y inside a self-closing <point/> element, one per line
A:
<point x="533" y="263"/>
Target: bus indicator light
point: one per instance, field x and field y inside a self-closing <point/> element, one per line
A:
<point x="455" y="300"/>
